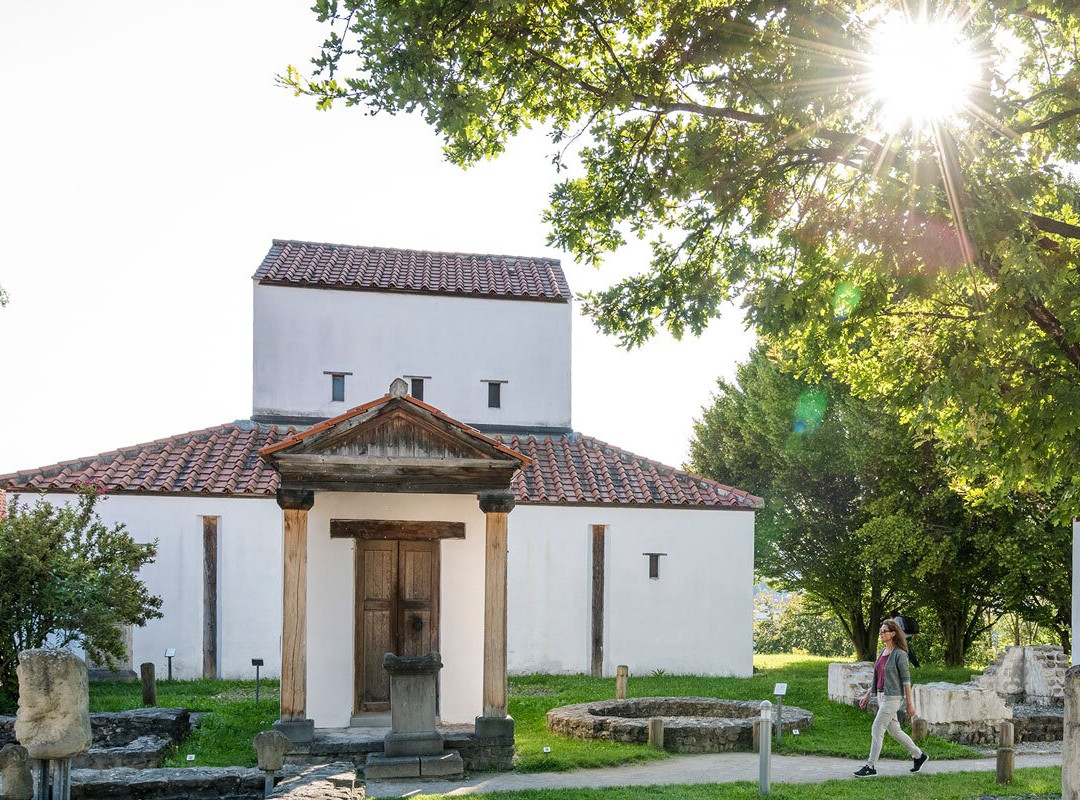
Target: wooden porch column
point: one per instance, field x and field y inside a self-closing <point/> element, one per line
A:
<point x="294" y="722"/>
<point x="496" y="507"/>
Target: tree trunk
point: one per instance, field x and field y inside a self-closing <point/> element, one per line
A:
<point x="953" y="629"/>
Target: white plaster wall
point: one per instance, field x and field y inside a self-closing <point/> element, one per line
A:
<point x="249" y="579"/>
<point x="331" y="617"/>
<point x="696" y="618"/>
<point x="1075" y="583"/>
<point x="377" y="336"/>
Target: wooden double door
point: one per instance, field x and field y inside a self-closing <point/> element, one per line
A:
<point x="397" y="611"/>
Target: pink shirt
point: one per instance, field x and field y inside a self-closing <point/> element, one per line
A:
<point x="879" y="671"/>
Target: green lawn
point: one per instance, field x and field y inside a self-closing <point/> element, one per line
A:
<point x="224" y="737"/>
<point x="959" y="786"/>
<point x="233" y="718"/>
<point x="837" y="730"/>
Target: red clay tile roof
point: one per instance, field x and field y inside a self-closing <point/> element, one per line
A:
<point x="340" y="266"/>
<point x="225" y="460"/>
<point x="220" y="460"/>
<point x="578" y="469"/>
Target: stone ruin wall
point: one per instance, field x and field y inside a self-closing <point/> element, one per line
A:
<point x="1032" y="675"/>
<point x="1025" y="685"/>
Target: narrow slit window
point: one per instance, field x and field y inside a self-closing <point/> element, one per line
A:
<point x="494" y="393"/>
<point x="416" y="388"/>
<point x="337" y="388"/>
<point x="654" y="565"/>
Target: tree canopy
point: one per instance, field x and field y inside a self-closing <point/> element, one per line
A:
<point x="859" y="514"/>
<point x="932" y="268"/>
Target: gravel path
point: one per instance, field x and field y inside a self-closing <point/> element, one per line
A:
<point x="711" y="768"/>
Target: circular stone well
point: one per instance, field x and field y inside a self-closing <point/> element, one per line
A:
<point x="691" y="724"/>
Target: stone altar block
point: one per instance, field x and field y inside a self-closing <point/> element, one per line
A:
<point x="413" y="748"/>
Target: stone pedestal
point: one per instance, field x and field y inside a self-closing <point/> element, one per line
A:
<point x="495" y="728"/>
<point x="298" y="731"/>
<point x="413" y="748"/>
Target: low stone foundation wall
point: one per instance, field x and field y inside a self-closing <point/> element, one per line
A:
<point x="139" y="738"/>
<point x="482" y="754"/>
<point x="1039" y="723"/>
<point x="226" y="783"/>
<point x="479" y="754"/>
<point x="329" y="782"/>
<point x="691" y="724"/>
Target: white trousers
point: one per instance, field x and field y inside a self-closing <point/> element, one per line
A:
<point x="886" y="721"/>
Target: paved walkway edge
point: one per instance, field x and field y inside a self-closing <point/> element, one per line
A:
<point x="711" y="768"/>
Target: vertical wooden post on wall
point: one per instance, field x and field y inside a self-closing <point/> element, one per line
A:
<point x="210" y="595"/>
<point x="596" y="660"/>
<point x="293" y="722"/>
<point x="496" y="507"/>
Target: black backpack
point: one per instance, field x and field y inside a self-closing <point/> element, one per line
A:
<point x="909" y="624"/>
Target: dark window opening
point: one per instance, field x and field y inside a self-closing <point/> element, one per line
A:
<point x="417" y="388"/>
<point x="494" y="395"/>
<point x="337" y="388"/>
<point x="654" y="564"/>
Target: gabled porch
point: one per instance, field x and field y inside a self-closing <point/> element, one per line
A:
<point x="399" y="513"/>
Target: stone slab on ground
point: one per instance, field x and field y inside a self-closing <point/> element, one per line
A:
<point x="446" y="765"/>
<point x="145" y="752"/>
<point x="327" y="782"/>
<point x="381" y="767"/>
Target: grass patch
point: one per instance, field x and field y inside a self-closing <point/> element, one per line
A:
<point x="232" y="719"/>
<point x="837" y="731"/>
<point x="957" y="786"/>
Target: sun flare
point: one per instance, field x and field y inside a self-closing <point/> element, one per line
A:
<point x="922" y="70"/>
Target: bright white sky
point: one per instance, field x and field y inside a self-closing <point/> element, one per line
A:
<point x="147" y="161"/>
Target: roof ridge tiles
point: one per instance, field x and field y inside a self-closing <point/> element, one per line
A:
<point x="416" y="250"/>
<point x="299" y="263"/>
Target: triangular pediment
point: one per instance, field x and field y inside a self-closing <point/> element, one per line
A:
<point x="398" y="432"/>
<point x="394" y="444"/>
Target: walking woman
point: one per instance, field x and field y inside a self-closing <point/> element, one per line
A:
<point x="892" y="685"/>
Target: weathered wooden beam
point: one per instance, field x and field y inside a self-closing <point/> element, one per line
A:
<point x="294" y="617"/>
<point x="468" y="484"/>
<point x="374" y="464"/>
<point x="210" y="595"/>
<point x="596" y="662"/>
<point x="414" y="530"/>
<point x="496" y="507"/>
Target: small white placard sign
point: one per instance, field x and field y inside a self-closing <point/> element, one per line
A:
<point x="780" y="689"/>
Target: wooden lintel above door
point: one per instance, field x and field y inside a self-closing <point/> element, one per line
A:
<point x="402" y="529"/>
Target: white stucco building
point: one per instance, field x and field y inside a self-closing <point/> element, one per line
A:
<point x="342" y="520"/>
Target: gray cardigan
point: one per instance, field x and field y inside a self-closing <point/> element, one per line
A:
<point x="897" y="674"/>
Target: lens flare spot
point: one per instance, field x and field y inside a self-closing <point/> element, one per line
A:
<point x="845" y="300"/>
<point x="809" y="410"/>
